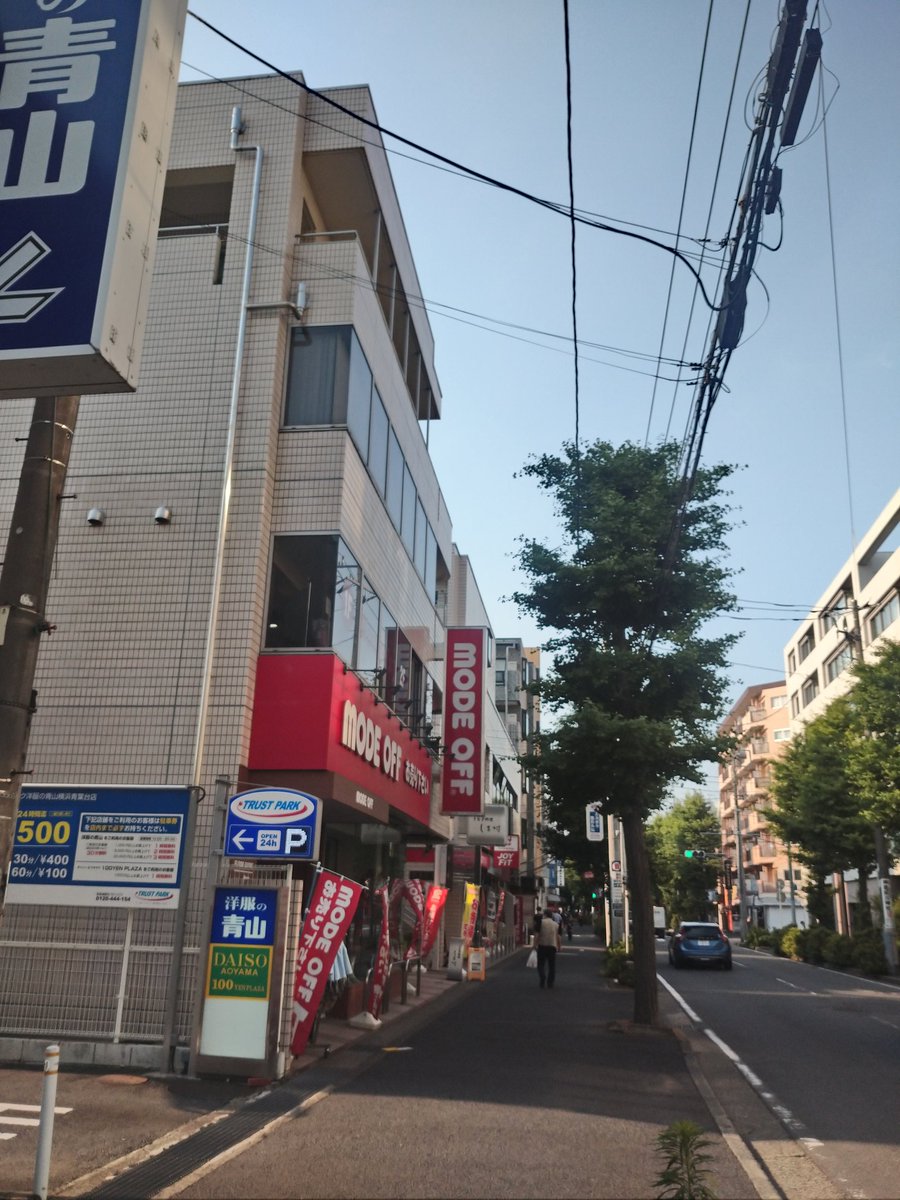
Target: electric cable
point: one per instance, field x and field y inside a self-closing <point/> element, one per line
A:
<point x="680" y="224"/>
<point x="573" y="228"/>
<point x="502" y="185"/>
<point x="838" y="335"/>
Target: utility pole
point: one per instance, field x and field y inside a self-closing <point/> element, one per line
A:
<point x="759" y="193"/>
<point x="24" y="582"/>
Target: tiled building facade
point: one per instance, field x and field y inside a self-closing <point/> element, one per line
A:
<point x="303" y="548"/>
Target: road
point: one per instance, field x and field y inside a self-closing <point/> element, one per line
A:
<point x="513" y="1092"/>
<point x="822" y="1047"/>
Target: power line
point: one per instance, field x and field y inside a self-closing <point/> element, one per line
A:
<point x="488" y="179"/>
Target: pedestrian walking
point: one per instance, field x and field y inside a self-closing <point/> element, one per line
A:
<point x="546" y="941"/>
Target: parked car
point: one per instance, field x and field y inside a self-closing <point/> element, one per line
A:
<point x="699" y="942"/>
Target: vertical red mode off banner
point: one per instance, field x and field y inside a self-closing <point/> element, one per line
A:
<point x="462" y="787"/>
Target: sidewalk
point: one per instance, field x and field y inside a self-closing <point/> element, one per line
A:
<point x="130" y="1137"/>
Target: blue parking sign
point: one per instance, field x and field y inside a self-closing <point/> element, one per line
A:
<point x="273" y="823"/>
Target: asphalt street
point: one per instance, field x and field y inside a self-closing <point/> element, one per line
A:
<point x="823" y="1048"/>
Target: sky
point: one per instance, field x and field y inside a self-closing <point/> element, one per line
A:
<point x="811" y="413"/>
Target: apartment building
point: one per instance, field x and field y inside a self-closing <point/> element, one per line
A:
<point x="859" y="610"/>
<point x="517" y="669"/>
<point x="254" y="540"/>
<point x="761" y="876"/>
<point x="857" y="613"/>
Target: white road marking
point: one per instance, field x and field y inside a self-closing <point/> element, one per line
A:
<point x="890" y="1024"/>
<point x="796" y="986"/>
<point x="22" y="1122"/>
<point x="784" y="1114"/>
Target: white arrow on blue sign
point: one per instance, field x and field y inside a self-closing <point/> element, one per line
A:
<point x="273" y="823"/>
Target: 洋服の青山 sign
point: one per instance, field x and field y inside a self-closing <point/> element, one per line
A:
<point x="462" y="790"/>
<point x="331" y="909"/>
<point x="87" y="94"/>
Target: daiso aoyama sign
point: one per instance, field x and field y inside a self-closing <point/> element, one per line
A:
<point x="462" y="784"/>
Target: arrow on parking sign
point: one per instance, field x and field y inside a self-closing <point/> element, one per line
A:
<point x="242" y="839"/>
<point x="16" y="262"/>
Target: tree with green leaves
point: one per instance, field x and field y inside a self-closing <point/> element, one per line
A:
<point x="819" y="809"/>
<point x="636" y="688"/>
<point x="682" y="885"/>
<point x="874" y="733"/>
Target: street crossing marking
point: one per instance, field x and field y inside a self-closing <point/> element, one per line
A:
<point x="22" y="1121"/>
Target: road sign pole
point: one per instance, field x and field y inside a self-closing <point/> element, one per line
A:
<point x="24" y="582"/>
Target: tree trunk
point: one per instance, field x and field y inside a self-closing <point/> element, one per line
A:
<point x="646" y="1001"/>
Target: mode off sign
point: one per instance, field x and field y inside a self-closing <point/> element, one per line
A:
<point x="87" y="94"/>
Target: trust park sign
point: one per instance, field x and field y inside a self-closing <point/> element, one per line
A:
<point x="87" y="96"/>
<point x="462" y="781"/>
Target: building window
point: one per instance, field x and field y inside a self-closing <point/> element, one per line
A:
<point x="369" y="620"/>
<point x="806" y="645"/>
<point x="795" y="704"/>
<point x="318" y="375"/>
<point x="792" y="663"/>
<point x="781" y="735"/>
<point x="359" y="398"/>
<point x="346" y="605"/>
<point x="778" y="702"/>
<point x="309" y="574"/>
<point x="394" y="493"/>
<point x="885" y="616"/>
<point x="378" y="442"/>
<point x="839" y="663"/>
<point x="833" y="614"/>
<point x="408" y="514"/>
<point x="421" y="539"/>
<point x="810" y="690"/>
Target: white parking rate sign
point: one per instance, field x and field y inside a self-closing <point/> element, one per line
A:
<point x="273" y="823"/>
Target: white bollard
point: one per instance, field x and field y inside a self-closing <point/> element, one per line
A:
<point x="45" y="1131"/>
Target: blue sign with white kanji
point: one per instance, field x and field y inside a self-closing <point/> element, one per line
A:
<point x="64" y="89"/>
<point x="244" y="916"/>
<point x="273" y="823"/>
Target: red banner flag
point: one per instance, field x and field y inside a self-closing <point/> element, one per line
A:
<point x="414" y="895"/>
<point x="331" y="908"/>
<point x="434" y="906"/>
<point x="382" y="965"/>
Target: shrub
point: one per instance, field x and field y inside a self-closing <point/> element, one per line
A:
<point x="792" y="940"/>
<point x="813" y="944"/>
<point x="868" y="952"/>
<point x="838" y="950"/>
<point x="615" y="961"/>
<point x="778" y="940"/>
<point x="684" y="1146"/>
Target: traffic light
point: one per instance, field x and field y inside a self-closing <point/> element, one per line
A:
<point x="593" y="895"/>
<point x="695" y="854"/>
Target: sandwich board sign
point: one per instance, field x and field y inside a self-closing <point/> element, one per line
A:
<point x="87" y="96"/>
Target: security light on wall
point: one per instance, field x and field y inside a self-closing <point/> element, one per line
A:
<point x="163" y="515"/>
<point x="96" y="516"/>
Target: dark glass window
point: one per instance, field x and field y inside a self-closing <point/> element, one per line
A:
<point x="359" y="398"/>
<point x="378" y="442"/>
<point x="421" y="539"/>
<point x="301" y="594"/>
<point x="317" y="375"/>
<point x="346" y="604"/>
<point x="394" y="495"/>
<point x="408" y="519"/>
<point x="387" y="652"/>
<point x="431" y="564"/>
<point x="367" y="650"/>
